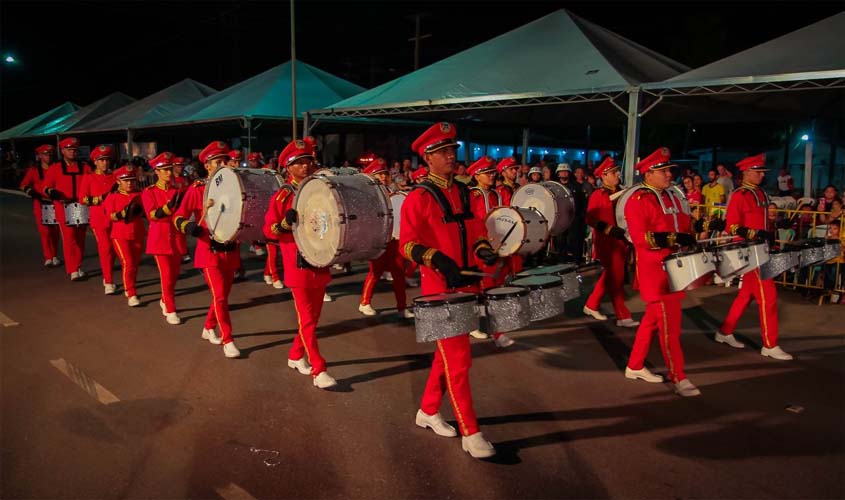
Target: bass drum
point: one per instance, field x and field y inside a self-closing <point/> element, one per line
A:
<point x="551" y="199"/>
<point x="396" y="200"/>
<point x="517" y="231"/>
<point x="341" y="218"/>
<point x="240" y="199"/>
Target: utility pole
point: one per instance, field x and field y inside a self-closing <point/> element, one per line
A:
<point x="293" y="69"/>
<point x="417" y="37"/>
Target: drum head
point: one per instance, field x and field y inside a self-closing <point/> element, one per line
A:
<point x="396" y="201"/>
<point x="318" y="232"/>
<point x="545" y="270"/>
<point x="539" y="197"/>
<point x="535" y="282"/>
<point x="506" y="230"/>
<point x="504" y="292"/>
<point x="223" y="218"/>
<point x="439" y="299"/>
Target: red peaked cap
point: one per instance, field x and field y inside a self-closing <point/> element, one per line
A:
<point x="214" y="150"/>
<point x="101" y="151"/>
<point x="254" y="157"/>
<point x="658" y="160"/>
<point x="483" y="164"/>
<point x="753" y="163"/>
<point x="124" y="174"/>
<point x="505" y="163"/>
<point x="375" y="166"/>
<point x="297" y="149"/>
<point x="236" y="154"/>
<point x="69" y="143"/>
<point x="44" y="148"/>
<point x="180" y="160"/>
<point x="163" y="160"/>
<point x="418" y="173"/>
<point x="605" y="167"/>
<point x="438" y="136"/>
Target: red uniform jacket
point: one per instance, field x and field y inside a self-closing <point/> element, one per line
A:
<point x="601" y="209"/>
<point x="66" y="179"/>
<point x="644" y="217"/>
<point x="506" y="190"/>
<point x="163" y="234"/>
<point x="192" y="205"/>
<point x="180" y="182"/>
<point x="34" y="180"/>
<point x="747" y="207"/>
<point x="93" y="191"/>
<point x="120" y="229"/>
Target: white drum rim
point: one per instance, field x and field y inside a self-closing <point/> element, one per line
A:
<point x="522" y="228"/>
<point x="396" y="217"/>
<point x="336" y="195"/>
<point x="216" y="206"/>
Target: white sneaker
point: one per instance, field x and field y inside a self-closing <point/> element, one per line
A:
<point x="478" y="334"/>
<point x="327" y="298"/>
<point x="411" y="282"/>
<point x="477" y="446"/>
<point x="81" y="273"/>
<point x="596" y="314"/>
<point x="386" y="276"/>
<point x="365" y="309"/>
<point x="259" y="251"/>
<point x="133" y="301"/>
<point x="48" y="262"/>
<point x="504" y="341"/>
<point x="728" y="339"/>
<point x="186" y="258"/>
<point x="109" y="288"/>
<point x="777" y="353"/>
<point x="338" y="267"/>
<point x="278" y="285"/>
<point x="230" y="350"/>
<point x="324" y="381"/>
<point x="211" y="336"/>
<point x="55" y="261"/>
<point x="74" y="276"/>
<point x="172" y="318"/>
<point x="627" y="323"/>
<point x="300" y="365"/>
<point x="436" y="423"/>
<point x="643" y="374"/>
<point x="408" y="314"/>
<point x="268" y="279"/>
<point x="686" y="389"/>
<point x="163" y="307"/>
<point x="718" y="280"/>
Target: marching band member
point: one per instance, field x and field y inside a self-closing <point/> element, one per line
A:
<point x="125" y="210"/>
<point x="217" y="261"/>
<point x="307" y="283"/>
<point x="271" y="266"/>
<point x="655" y="235"/>
<point x="235" y="157"/>
<point x="391" y="260"/>
<point x="610" y="247"/>
<point x="96" y="186"/>
<point x="32" y="185"/>
<point x="255" y="160"/>
<point x="419" y="175"/>
<point x="181" y="183"/>
<point x="508" y="169"/>
<point x="484" y="198"/>
<point x="160" y="201"/>
<point x="61" y="184"/>
<point x="440" y="233"/>
<point x="747" y="218"/>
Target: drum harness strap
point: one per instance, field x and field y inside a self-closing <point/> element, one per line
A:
<point x="666" y="210"/>
<point x="80" y="166"/>
<point x="449" y="216"/>
<point x="762" y="203"/>
<point x="484" y="194"/>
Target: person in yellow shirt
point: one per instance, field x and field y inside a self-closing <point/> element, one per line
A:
<point x="714" y="193"/>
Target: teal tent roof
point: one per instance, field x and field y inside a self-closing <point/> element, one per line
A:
<point x="56" y="113"/>
<point x="560" y="54"/>
<point x="266" y="95"/>
<point x="150" y="108"/>
<point x="84" y="115"/>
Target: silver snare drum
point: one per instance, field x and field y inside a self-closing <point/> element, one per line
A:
<point x="76" y="214"/>
<point x="568" y="274"/>
<point x="732" y="259"/>
<point x="48" y="214"/>
<point x="444" y="315"/>
<point x="758" y="254"/>
<point x="779" y="262"/>
<point x="832" y="249"/>
<point x="545" y="294"/>
<point x="688" y="270"/>
<point x="508" y="308"/>
<point x="811" y="250"/>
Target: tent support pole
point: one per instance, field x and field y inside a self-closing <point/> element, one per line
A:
<point x="306" y="124"/>
<point x="525" y="157"/>
<point x="130" y="135"/>
<point x="808" y="167"/>
<point x="293" y="68"/>
<point x="248" y="135"/>
<point x="632" y="139"/>
<point x="467" y="147"/>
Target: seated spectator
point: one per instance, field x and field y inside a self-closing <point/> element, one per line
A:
<point x="833" y="268"/>
<point x="785" y="183"/>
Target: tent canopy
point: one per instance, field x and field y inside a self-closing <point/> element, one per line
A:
<point x="150" y="108"/>
<point x="83" y="116"/>
<point x="56" y="113"/>
<point x="266" y="95"/>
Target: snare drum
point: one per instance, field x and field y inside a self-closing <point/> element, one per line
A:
<point x="811" y="251"/>
<point x="568" y="274"/>
<point x="551" y="199"/>
<point x="732" y="259"/>
<point x="779" y="262"/>
<point x="396" y="200"/>
<point x="758" y="254"/>
<point x="76" y="214"/>
<point x="508" y="308"/>
<point x="688" y="270"/>
<point x="48" y="214"/>
<point x="342" y="218"/>
<point x="832" y="249"/>
<point x="444" y="315"/>
<point x="240" y="199"/>
<point x="545" y="295"/>
<point x="517" y="231"/>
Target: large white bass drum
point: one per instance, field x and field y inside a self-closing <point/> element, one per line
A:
<point x="517" y="231"/>
<point x="341" y="218"/>
<point x="680" y="203"/>
<point x="396" y="200"/>
<point x="551" y="199"/>
<point x="240" y="197"/>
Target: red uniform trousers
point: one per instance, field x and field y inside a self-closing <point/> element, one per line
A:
<point x="219" y="280"/>
<point x="612" y="282"/>
<point x="392" y="261"/>
<point x="450" y="372"/>
<point x="73" y="245"/>
<point x="663" y="315"/>
<point x="49" y="234"/>
<point x="765" y="293"/>
<point x="308" y="303"/>
<point x="105" y="251"/>
<point x="129" y="252"/>
<point x="168" y="271"/>
<point x="411" y="268"/>
<point x="271" y="267"/>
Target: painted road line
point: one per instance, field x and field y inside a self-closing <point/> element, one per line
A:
<point x="7" y="321"/>
<point x="233" y="492"/>
<point x="13" y="191"/>
<point x="87" y="384"/>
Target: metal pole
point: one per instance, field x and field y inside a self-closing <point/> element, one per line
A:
<point x="525" y="157"/>
<point x="632" y="138"/>
<point x="306" y="124"/>
<point x="808" y="167"/>
<point x="248" y="135"/>
<point x="130" y="136"/>
<point x="417" y="44"/>
<point x="293" y="69"/>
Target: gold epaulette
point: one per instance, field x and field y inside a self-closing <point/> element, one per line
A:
<point x="197" y="183"/>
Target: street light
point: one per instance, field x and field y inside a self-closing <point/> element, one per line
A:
<point x="805" y="137"/>
<point x="10" y="59"/>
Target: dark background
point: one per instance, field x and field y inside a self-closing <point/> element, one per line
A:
<point x="82" y="50"/>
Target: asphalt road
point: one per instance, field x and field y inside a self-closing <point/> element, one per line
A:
<point x="103" y="401"/>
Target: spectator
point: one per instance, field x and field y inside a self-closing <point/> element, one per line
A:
<point x="835" y="213"/>
<point x="833" y="268"/>
<point x="714" y="193"/>
<point x="694" y="190"/>
<point x="725" y="179"/>
<point x="577" y="232"/>
<point x="535" y="174"/>
<point x="562" y="173"/>
<point x="825" y="202"/>
<point x="785" y="183"/>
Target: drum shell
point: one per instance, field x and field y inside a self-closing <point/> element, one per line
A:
<point x="531" y="232"/>
<point x="731" y="259"/>
<point x="507" y="313"/>
<point x="436" y="321"/>
<point x="545" y="302"/>
<point x="779" y="262"/>
<point x="396" y="201"/>
<point x="812" y="253"/>
<point x="246" y="195"/>
<point x="48" y="214"/>
<point x="688" y="270"/>
<point x="832" y="249"/>
<point x="571" y="280"/>
<point x="76" y="214"/>
<point x="561" y="216"/>
<point x="758" y="254"/>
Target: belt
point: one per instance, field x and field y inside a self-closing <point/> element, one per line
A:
<point x="217" y="247"/>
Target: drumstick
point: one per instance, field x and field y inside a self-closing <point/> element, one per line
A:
<point x="465" y="272"/>
<point x="502" y="243"/>
<point x="718" y="238"/>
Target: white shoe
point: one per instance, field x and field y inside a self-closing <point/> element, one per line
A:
<point x="109" y="288"/>
<point x="48" y="262"/>
<point x="259" y="251"/>
<point x="186" y="258"/>
<point x="55" y="261"/>
<point x="686" y="389"/>
<point x="74" y="276"/>
<point x="504" y="341"/>
<point x="728" y="339"/>
<point x="327" y="298"/>
<point x="338" y="267"/>
<point x="477" y="446"/>
<point x="478" y="334"/>
<point x="365" y="309"/>
<point x="627" y="323"/>
<point x="211" y="336"/>
<point x="81" y="273"/>
<point x="411" y="282"/>
<point x="643" y="374"/>
<point x="718" y="280"/>
<point x="436" y="423"/>
<point x="268" y="279"/>
<point x="278" y="285"/>
<point x="230" y="350"/>
<point x="777" y="353"/>
<point x="172" y="318"/>
<point x="408" y="314"/>
<point x="163" y="307"/>
<point x="386" y="276"/>
<point x="300" y="365"/>
<point x="324" y="381"/>
<point x="596" y="314"/>
<point x="133" y="301"/>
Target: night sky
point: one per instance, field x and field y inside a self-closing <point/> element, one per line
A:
<point x="82" y="50"/>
